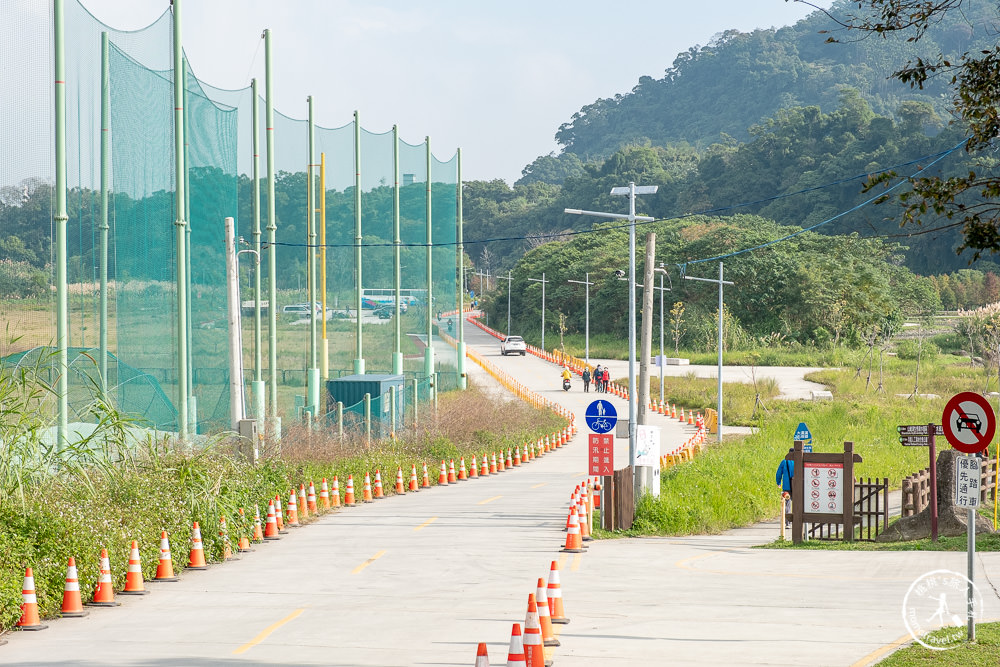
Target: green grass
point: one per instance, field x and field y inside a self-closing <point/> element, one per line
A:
<point x="983" y="543"/>
<point x="984" y="653"/>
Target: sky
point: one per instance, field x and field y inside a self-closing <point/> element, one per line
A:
<point x="494" y="78"/>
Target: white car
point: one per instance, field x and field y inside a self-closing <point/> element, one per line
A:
<point x="513" y="345"/>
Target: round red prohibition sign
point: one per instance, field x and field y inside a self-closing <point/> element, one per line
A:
<point x="969" y="422"/>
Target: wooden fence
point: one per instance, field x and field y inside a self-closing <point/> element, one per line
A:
<point x="871" y="513"/>
<point x="917" y="488"/>
<point x="618" y="503"/>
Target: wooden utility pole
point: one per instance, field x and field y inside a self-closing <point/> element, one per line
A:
<point x="646" y="344"/>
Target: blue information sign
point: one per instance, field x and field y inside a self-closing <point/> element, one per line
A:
<point x="601" y="416"/>
<point x="802" y="433"/>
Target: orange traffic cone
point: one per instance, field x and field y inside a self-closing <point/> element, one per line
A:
<point x="584" y="518"/>
<point x="243" y="543"/>
<point x="534" y="653"/>
<point x="554" y="594"/>
<point x="399" y="481"/>
<point x="426" y="484"/>
<point x="292" y="510"/>
<point x="29" y="604"/>
<point x="515" y="654"/>
<point x="366" y="490"/>
<point x="271" y="525"/>
<point x="349" y="493"/>
<point x="72" y="605"/>
<point x="165" y="566"/>
<point x="452" y="477"/>
<point x="473" y="469"/>
<point x="690" y="418"/>
<point x="462" y="473"/>
<point x="510" y="460"/>
<point x="258" y="534"/>
<point x="544" y="621"/>
<point x="574" y="544"/>
<point x="277" y="513"/>
<point x="482" y="657"/>
<point x="227" y="551"/>
<point x="335" y="493"/>
<point x="484" y="468"/>
<point x="517" y="456"/>
<point x="493" y="464"/>
<point x="196" y="559"/>
<point x="324" y="494"/>
<point x="301" y="503"/>
<point x="133" y="577"/>
<point x="104" y="594"/>
<point x="311" y="499"/>
<point x="443" y="475"/>
<point x="414" y="484"/>
<point x="379" y="495"/>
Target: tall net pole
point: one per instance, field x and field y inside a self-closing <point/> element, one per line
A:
<point x="359" y="360"/>
<point x="460" y="246"/>
<point x="325" y="357"/>
<point x="105" y="186"/>
<point x="61" y="220"/>
<point x="180" y="225"/>
<point x="312" y="381"/>
<point x="429" y="350"/>
<point x="272" y="227"/>
<point x="397" y="355"/>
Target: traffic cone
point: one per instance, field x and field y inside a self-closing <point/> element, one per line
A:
<point x="324" y="494"/>
<point x="414" y="484"/>
<point x="493" y="464"/>
<point x="29" y="604"/>
<point x="133" y="577"/>
<point x="196" y="559"/>
<point x="534" y="653"/>
<point x="271" y="527"/>
<point x="482" y="657"/>
<point x="574" y="544"/>
<point x="292" y="510"/>
<point x="378" y="485"/>
<point x="366" y="490"/>
<point x="311" y="499"/>
<point x="165" y="566"/>
<point x="517" y="456"/>
<point x="473" y="469"/>
<point x="544" y="621"/>
<point x="484" y="469"/>
<point x="597" y="492"/>
<point x="443" y="475"/>
<point x="301" y="503"/>
<point x="335" y="493"/>
<point x="682" y="414"/>
<point x="104" y="594"/>
<point x="258" y="534"/>
<point x="349" y="493"/>
<point x="452" y="477"/>
<point x="399" y="481"/>
<point x="515" y="654"/>
<point x="462" y="473"/>
<point x="278" y="514"/>
<point x="510" y="461"/>
<point x="690" y="418"/>
<point x="72" y="605"/>
<point x="554" y="594"/>
<point x="426" y="484"/>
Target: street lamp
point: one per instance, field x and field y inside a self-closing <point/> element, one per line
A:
<point x="509" y="279"/>
<point x="632" y="190"/>
<point x="541" y="280"/>
<point x="662" y="271"/>
<point x="720" y="282"/>
<point x="586" y="339"/>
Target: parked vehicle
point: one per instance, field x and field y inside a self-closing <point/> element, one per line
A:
<point x="513" y="345"/>
<point x="384" y="313"/>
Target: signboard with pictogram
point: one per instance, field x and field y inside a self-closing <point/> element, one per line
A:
<point x="601" y="456"/>
<point x="601" y="416"/>
<point x="969" y="422"/>
<point x="824" y="487"/>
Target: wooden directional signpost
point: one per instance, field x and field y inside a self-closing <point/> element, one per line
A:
<point x="922" y="435"/>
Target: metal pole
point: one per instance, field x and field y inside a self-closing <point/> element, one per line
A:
<point x="970" y="522"/>
<point x="631" y="329"/>
<point x="429" y="350"/>
<point x="235" y="329"/>
<point x="661" y="340"/>
<point x="359" y="360"/>
<point x="180" y="226"/>
<point x="509" y="283"/>
<point x="312" y="377"/>
<point x="462" y="379"/>
<point x="719" y="408"/>
<point x="272" y="227"/>
<point x="325" y="358"/>
<point x="586" y="345"/>
<point x="258" y="362"/>
<point x="61" y="219"/>
<point x="542" y="281"/>
<point x="397" y="355"/>
<point x="105" y="186"/>
<point x="192" y="412"/>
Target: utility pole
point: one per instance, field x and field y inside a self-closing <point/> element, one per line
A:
<point x="542" y="280"/>
<point x="509" y="284"/>
<point x="586" y="326"/>
<point x="645" y="348"/>
<point x="720" y="282"/>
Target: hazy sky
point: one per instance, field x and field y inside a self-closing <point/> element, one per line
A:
<point x="495" y="78"/>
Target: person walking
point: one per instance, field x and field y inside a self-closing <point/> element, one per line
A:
<point x="597" y="378"/>
<point x="586" y="379"/>
<point x="605" y="379"/>
<point x="783" y="476"/>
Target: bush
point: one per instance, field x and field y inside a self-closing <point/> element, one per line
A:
<point x="908" y="349"/>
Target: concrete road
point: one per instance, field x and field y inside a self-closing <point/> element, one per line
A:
<point x="421" y="579"/>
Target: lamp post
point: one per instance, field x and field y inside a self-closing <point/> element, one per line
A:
<point x="632" y="190"/>
<point x="662" y="289"/>
<point x="541" y="280"/>
<point x="508" y="279"/>
<point x="586" y="326"/>
<point x="720" y="282"/>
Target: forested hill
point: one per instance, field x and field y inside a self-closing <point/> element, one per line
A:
<point x="721" y="89"/>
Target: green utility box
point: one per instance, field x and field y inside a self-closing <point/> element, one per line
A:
<point x="350" y="390"/>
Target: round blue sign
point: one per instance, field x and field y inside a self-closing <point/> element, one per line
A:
<point x="601" y="416"/>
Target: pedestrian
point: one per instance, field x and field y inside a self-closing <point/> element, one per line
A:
<point x="586" y="379"/>
<point x="605" y="378"/>
<point x="597" y="378"/>
<point x="783" y="476"/>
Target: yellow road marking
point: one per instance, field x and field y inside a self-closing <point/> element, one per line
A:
<point x="489" y="500"/>
<point x="538" y="486"/>
<point x="581" y="474"/>
<point x="576" y="562"/>
<point x="562" y="561"/>
<point x="426" y="523"/>
<point x="368" y="562"/>
<point x="267" y="631"/>
<point x="878" y="653"/>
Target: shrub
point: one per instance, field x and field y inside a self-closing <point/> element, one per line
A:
<point x="908" y="349"/>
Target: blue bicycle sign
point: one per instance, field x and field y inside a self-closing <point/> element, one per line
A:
<point x="601" y="416"/>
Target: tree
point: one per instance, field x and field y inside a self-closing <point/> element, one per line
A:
<point x="676" y="320"/>
<point x="968" y="201"/>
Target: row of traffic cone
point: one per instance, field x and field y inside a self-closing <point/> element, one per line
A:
<point x="687" y="450"/>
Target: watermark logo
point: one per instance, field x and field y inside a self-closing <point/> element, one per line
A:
<point x="938" y="601"/>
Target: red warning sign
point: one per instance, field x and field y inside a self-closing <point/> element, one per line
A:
<point x="969" y="422"/>
<point x="602" y="454"/>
